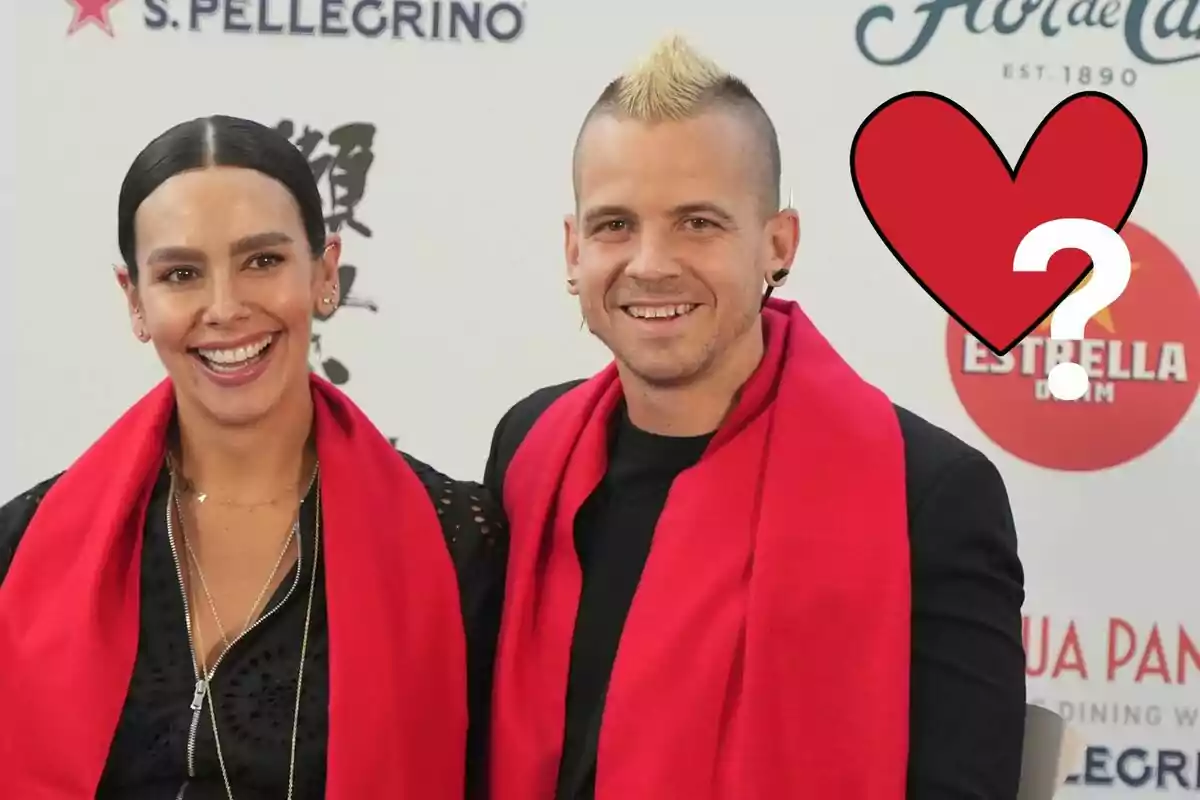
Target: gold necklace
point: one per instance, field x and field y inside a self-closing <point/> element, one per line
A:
<point x="186" y="485"/>
<point x="212" y="605"/>
<point x="203" y="680"/>
<point x="194" y="564"/>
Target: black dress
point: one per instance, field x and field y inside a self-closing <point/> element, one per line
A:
<point x="254" y="685"/>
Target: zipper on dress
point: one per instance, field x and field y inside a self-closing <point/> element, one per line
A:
<point x="202" y="682"/>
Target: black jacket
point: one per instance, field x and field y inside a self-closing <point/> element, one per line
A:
<point x="968" y="661"/>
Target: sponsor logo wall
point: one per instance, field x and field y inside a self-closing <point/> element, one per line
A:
<point x="341" y="162"/>
<point x="1136" y="355"/>
<point x="441" y="134"/>
<point x="412" y="20"/>
<point x="1153" y="33"/>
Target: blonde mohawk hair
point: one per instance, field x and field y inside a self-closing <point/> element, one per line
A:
<point x="675" y="83"/>
<point x="672" y="83"/>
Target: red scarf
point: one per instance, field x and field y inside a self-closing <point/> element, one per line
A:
<point x="69" y="616"/>
<point x="766" y="654"/>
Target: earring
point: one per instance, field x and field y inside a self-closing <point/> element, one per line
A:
<point x="331" y="302"/>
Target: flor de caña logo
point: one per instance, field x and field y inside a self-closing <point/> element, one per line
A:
<point x="1143" y="33"/>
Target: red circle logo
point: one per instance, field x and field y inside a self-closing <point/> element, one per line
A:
<point x="1135" y="353"/>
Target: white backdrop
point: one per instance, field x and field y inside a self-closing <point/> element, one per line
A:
<point x="464" y="200"/>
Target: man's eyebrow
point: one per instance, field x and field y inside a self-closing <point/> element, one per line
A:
<point x="603" y="212"/>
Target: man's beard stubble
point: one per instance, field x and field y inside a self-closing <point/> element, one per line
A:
<point x="685" y="374"/>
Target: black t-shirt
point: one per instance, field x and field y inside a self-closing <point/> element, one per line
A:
<point x="613" y="532"/>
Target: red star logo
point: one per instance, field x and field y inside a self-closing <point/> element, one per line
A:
<point x="93" y="11"/>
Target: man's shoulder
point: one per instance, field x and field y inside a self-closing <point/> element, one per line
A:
<point x="954" y="491"/>
<point x="930" y="452"/>
<point x="513" y="427"/>
<point x="525" y="412"/>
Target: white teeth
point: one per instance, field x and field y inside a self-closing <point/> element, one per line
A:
<point x="235" y="356"/>
<point x="659" y="312"/>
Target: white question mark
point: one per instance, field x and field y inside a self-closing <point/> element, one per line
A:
<point x="1111" y="266"/>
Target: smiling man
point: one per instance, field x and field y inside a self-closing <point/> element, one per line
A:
<point x="738" y="571"/>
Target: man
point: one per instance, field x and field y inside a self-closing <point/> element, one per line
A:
<point x="815" y="594"/>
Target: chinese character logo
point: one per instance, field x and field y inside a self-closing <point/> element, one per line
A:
<point x="341" y="161"/>
<point x="91" y="12"/>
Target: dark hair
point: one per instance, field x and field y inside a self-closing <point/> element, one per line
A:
<point x="218" y="141"/>
<point x="729" y="93"/>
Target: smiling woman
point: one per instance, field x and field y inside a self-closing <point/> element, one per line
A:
<point x="225" y="248"/>
<point x="242" y="568"/>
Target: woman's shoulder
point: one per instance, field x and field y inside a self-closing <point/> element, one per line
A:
<point x="471" y="518"/>
<point x="457" y="497"/>
<point x="15" y="516"/>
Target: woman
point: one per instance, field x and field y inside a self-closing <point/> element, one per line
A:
<point x="241" y="590"/>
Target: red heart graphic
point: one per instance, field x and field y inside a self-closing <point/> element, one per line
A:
<point x="943" y="198"/>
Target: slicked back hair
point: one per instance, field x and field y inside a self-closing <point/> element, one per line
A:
<point x="210" y="142"/>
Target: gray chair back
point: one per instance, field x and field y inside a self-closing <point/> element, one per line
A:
<point x="1046" y="754"/>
